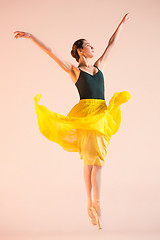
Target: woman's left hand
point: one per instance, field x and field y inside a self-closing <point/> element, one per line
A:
<point x="114" y="36"/>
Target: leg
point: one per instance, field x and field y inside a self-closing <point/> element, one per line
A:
<point x="87" y="178"/>
<point x="88" y="184"/>
<point x="96" y="180"/>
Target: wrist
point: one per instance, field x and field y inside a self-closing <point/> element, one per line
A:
<point x="31" y="36"/>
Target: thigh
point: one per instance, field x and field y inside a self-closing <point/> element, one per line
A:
<point x="93" y="147"/>
<point x="88" y="167"/>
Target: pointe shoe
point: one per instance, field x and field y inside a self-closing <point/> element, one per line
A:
<point x="97" y="217"/>
<point x="91" y="217"/>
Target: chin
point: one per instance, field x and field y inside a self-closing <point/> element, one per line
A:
<point x="91" y="55"/>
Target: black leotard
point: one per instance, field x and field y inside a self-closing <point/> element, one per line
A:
<point x="90" y="86"/>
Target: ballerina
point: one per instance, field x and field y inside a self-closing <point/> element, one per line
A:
<point x="89" y="125"/>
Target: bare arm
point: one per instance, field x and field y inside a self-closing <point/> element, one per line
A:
<point x="100" y="62"/>
<point x="39" y="44"/>
<point x="67" y="67"/>
<point x="64" y="65"/>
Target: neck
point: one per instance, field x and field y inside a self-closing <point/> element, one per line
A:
<point x="83" y="62"/>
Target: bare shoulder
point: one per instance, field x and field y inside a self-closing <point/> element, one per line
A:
<point x="74" y="73"/>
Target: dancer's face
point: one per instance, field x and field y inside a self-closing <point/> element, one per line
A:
<point x="88" y="49"/>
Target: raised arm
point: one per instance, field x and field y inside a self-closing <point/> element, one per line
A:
<point x="64" y="65"/>
<point x="101" y="61"/>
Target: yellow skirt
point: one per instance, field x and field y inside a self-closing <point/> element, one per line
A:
<point x="86" y="129"/>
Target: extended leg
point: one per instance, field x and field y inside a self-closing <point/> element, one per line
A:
<point x="88" y="184"/>
<point x="87" y="178"/>
<point x="96" y="181"/>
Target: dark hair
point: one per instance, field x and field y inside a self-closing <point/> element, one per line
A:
<point x="77" y="44"/>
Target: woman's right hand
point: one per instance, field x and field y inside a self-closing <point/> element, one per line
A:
<point x="22" y="34"/>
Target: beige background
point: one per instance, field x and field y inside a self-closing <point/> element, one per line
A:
<point x="42" y="190"/>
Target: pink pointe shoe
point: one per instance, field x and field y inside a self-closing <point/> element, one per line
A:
<point x="91" y="217"/>
<point x="96" y="213"/>
<point x="97" y="218"/>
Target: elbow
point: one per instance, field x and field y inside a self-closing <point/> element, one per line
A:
<point x="111" y="41"/>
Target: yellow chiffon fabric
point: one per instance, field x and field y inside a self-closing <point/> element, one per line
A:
<point x="86" y="129"/>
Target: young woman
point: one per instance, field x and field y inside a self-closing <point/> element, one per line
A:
<point x="89" y="125"/>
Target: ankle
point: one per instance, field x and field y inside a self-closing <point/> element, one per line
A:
<point x="96" y="205"/>
<point x="96" y="201"/>
<point x="90" y="202"/>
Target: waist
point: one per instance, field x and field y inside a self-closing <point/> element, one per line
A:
<point x="92" y="100"/>
<point x="90" y="89"/>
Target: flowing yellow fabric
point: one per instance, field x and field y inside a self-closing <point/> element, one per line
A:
<point x="86" y="129"/>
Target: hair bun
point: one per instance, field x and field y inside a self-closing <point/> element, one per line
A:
<point x="77" y="44"/>
<point x="73" y="53"/>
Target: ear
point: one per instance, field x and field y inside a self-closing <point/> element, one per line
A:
<point x="79" y="51"/>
